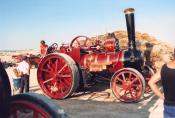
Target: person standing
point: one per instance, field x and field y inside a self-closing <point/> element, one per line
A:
<point x="24" y="68"/>
<point x="167" y="76"/>
<point x="16" y="80"/>
<point x="43" y="48"/>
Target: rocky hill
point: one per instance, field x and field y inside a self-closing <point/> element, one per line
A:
<point x="155" y="51"/>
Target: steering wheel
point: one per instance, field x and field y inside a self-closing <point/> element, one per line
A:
<point x="52" y="48"/>
<point x="80" y="41"/>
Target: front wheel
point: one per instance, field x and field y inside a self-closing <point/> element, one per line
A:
<point x="128" y="85"/>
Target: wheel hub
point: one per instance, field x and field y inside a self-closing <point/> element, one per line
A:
<point x="127" y="85"/>
<point x="54" y="89"/>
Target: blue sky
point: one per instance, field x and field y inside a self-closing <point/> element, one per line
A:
<point x="23" y="23"/>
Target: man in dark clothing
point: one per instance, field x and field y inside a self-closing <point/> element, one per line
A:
<point x="167" y="76"/>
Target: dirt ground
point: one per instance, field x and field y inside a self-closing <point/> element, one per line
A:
<point x="99" y="102"/>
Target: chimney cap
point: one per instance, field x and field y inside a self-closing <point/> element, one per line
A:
<point x="129" y="10"/>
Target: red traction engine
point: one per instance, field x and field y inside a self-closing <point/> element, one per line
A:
<point x="61" y="73"/>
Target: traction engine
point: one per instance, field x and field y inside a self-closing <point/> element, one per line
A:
<point x="68" y="67"/>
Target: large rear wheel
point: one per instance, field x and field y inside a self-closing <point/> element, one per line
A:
<point x="128" y="85"/>
<point x="58" y="75"/>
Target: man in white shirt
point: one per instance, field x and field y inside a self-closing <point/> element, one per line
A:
<point x="24" y="68"/>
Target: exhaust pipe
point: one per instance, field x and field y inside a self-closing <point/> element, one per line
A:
<point x="129" y="15"/>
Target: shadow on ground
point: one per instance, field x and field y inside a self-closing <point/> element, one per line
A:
<point x="99" y="102"/>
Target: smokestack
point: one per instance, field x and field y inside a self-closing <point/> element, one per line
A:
<point x="129" y="14"/>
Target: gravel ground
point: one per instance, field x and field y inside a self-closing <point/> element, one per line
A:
<point x="147" y="108"/>
<point x="95" y="109"/>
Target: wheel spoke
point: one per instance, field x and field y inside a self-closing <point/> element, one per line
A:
<point x="56" y="68"/>
<point x="138" y="87"/>
<point x="49" y="65"/>
<point x="58" y="86"/>
<point x="64" y="76"/>
<point x="134" y="85"/>
<point x="84" y="44"/>
<point x="124" y="95"/>
<point x="61" y="89"/>
<point x="132" y="96"/>
<point x="46" y="70"/>
<point x="48" y="80"/>
<point x="62" y="68"/>
<point x="64" y="84"/>
<point x="78" y="42"/>
<point x="119" y="79"/>
<point x="129" y="76"/>
<point x="123" y="76"/>
<point x="67" y="81"/>
<point x="135" y="79"/>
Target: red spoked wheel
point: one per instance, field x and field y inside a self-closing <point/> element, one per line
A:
<point x="58" y="75"/>
<point x="148" y="73"/>
<point x="128" y="85"/>
<point x="80" y="41"/>
<point x="33" y="106"/>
